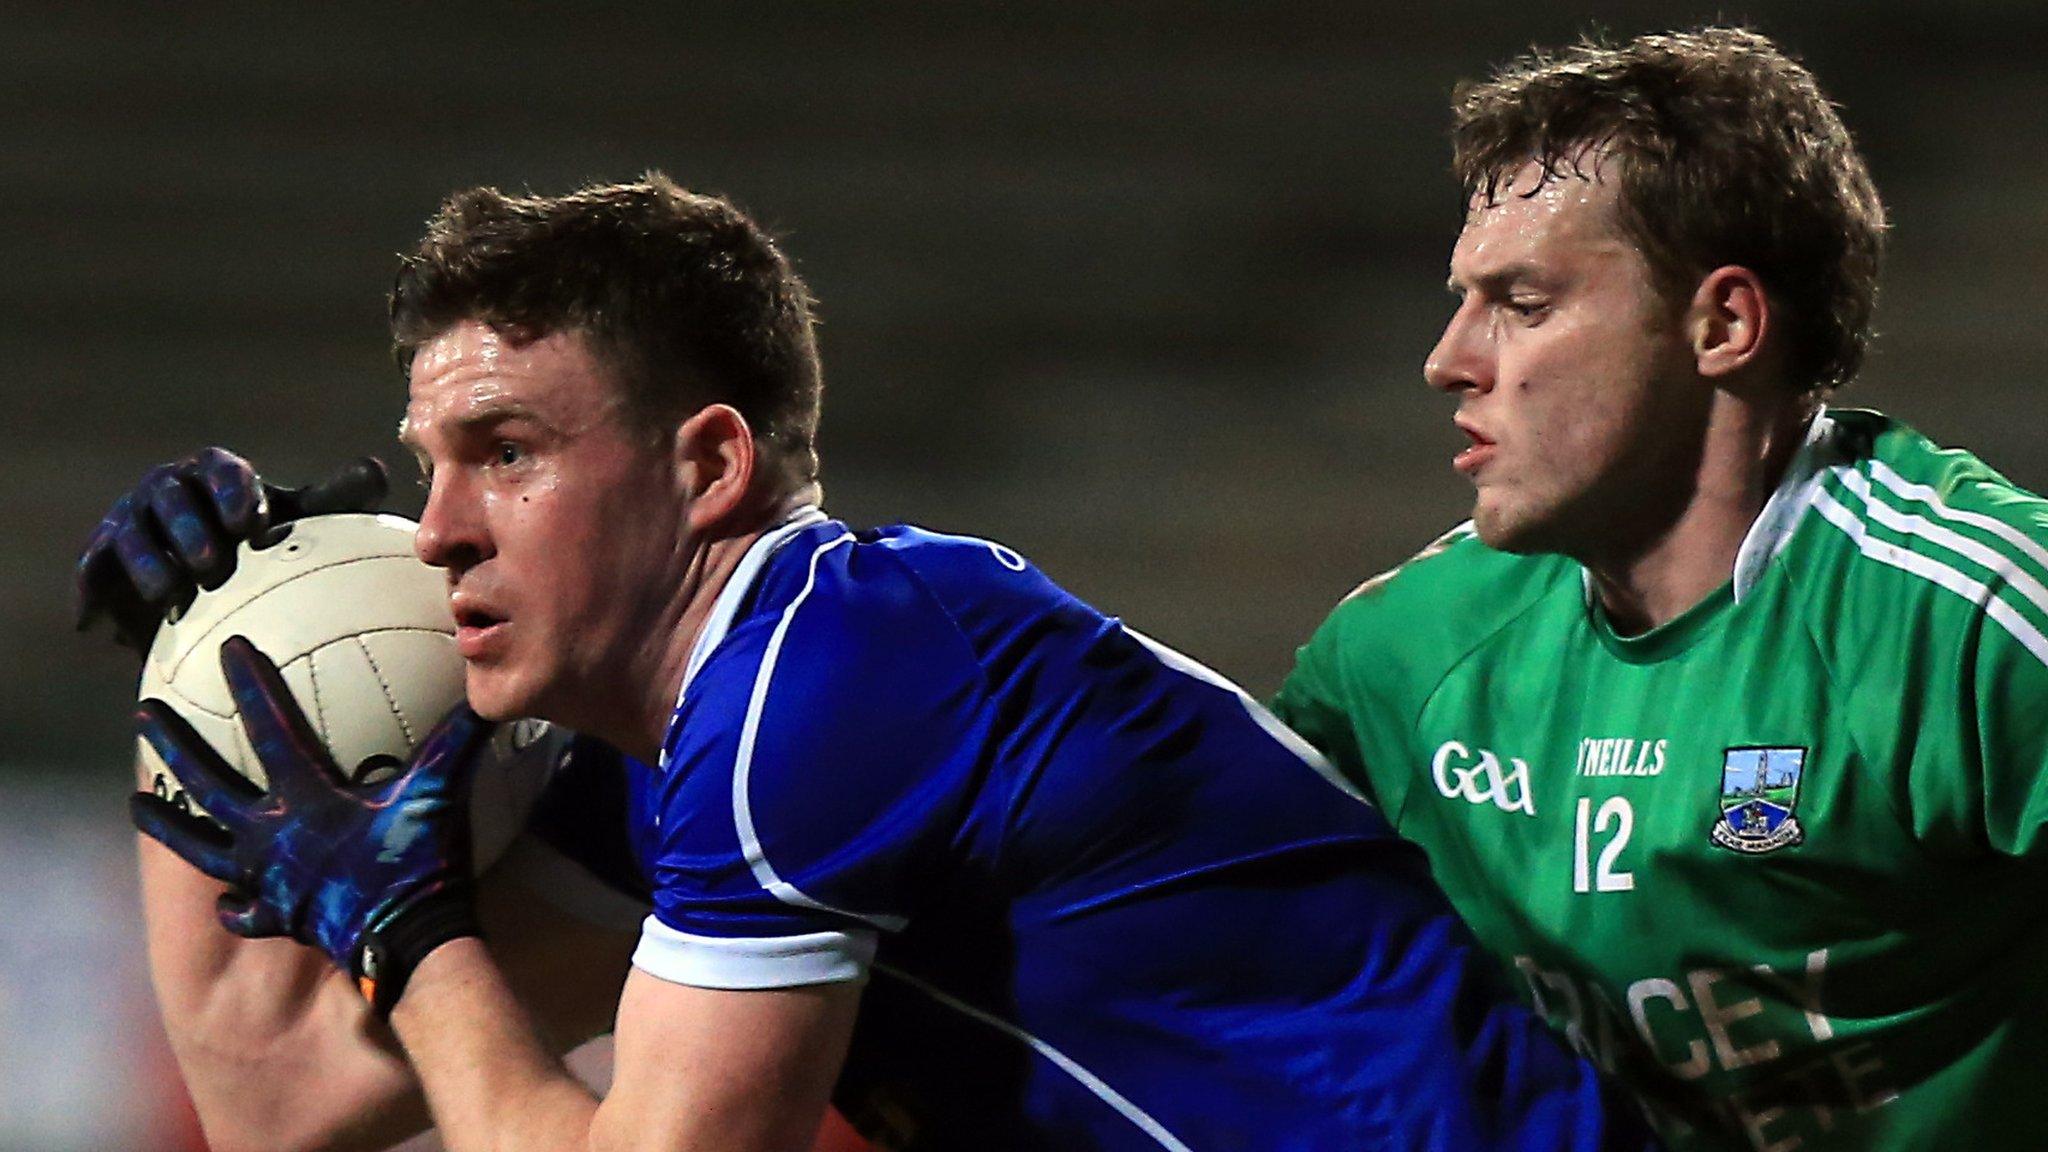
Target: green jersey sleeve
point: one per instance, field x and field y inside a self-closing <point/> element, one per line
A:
<point x="1937" y="624"/>
<point x="1313" y="702"/>
<point x="2008" y="736"/>
<point x="1362" y="680"/>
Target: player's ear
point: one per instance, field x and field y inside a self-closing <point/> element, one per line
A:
<point x="714" y="463"/>
<point x="1728" y="320"/>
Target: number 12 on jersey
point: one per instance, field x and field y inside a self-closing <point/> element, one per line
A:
<point x="1601" y="876"/>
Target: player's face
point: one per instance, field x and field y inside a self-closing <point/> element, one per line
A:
<point x="558" y="521"/>
<point x="1569" y="368"/>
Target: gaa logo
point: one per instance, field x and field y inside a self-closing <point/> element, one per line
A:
<point x="1480" y="779"/>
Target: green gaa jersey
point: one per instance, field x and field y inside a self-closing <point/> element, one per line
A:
<point x="1778" y="863"/>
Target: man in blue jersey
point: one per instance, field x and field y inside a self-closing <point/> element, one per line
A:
<point x="920" y="832"/>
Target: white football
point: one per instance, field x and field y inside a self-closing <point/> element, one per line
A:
<point x="361" y="631"/>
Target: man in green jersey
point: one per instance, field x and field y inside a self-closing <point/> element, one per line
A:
<point x="1723" y="720"/>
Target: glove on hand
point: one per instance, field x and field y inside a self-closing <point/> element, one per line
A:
<point x="374" y="875"/>
<point x="178" y="528"/>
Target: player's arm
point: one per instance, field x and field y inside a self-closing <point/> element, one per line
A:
<point x="736" y="1018"/>
<point x="279" y="1051"/>
<point x="1979" y="757"/>
<point x="694" y="1068"/>
<point x="1355" y="686"/>
<point x="375" y="878"/>
<point x="1315" y="700"/>
<point x="273" y="1050"/>
<point x="275" y="1047"/>
<point x="371" y="876"/>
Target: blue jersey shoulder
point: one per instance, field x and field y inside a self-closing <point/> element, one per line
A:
<point x="823" y="752"/>
<point x="1101" y="898"/>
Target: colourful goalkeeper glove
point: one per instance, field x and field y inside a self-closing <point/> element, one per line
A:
<point x="177" y="530"/>
<point x="376" y="876"/>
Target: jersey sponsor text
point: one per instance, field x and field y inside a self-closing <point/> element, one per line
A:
<point x="1621" y="756"/>
<point x="1797" y="1084"/>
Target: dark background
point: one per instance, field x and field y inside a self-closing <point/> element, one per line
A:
<point x="1141" y="289"/>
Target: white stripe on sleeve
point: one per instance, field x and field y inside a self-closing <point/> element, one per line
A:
<point x="1975" y="591"/>
<point x="753" y="962"/>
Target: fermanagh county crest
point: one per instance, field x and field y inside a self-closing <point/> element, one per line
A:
<point x="1759" y="787"/>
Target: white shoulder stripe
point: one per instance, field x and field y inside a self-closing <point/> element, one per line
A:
<point x="743" y="762"/>
<point x="1921" y="492"/>
<point x="737" y="586"/>
<point x="1976" y="552"/>
<point x="1138" y="1117"/>
<point x="1976" y="592"/>
<point x="1268" y="723"/>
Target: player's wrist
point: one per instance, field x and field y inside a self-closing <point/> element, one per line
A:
<point x="392" y="949"/>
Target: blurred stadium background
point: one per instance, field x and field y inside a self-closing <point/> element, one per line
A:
<point x="1140" y="288"/>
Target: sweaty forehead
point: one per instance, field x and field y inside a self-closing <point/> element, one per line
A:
<point x="473" y="351"/>
<point x="473" y="373"/>
<point x="1536" y="217"/>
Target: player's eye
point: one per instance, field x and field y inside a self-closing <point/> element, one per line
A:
<point x="506" y="453"/>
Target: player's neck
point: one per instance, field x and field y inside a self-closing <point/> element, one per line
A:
<point x="656" y="675"/>
<point x="710" y="570"/>
<point x="1653" y="580"/>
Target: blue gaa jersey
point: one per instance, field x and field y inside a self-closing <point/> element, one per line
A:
<point x="1101" y="899"/>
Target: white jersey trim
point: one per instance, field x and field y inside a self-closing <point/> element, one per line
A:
<point x="1773" y="529"/>
<point x="538" y="867"/>
<point x="743" y="762"/>
<point x="749" y="963"/>
<point x="1906" y="489"/>
<point x="1286" y="737"/>
<point x="1138" y="1117"/>
<point x="736" y="588"/>
<point x="1910" y="524"/>
<point x="1929" y="569"/>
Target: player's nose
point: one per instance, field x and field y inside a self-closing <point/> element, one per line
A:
<point x="1462" y="357"/>
<point x="452" y="532"/>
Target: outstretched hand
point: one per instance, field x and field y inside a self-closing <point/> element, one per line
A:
<point x="177" y="529"/>
<point x="333" y="864"/>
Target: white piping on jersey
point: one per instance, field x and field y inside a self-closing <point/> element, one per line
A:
<point x="1269" y="723"/>
<point x="1138" y="1117"/>
<point x="1927" y="568"/>
<point x="1932" y="498"/>
<point x="743" y="763"/>
<point x="1773" y="528"/>
<point x="1911" y="524"/>
<point x="835" y="956"/>
<point x="736" y="588"/>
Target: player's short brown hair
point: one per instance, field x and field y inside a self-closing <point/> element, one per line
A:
<point x="1727" y="152"/>
<point x="682" y="295"/>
